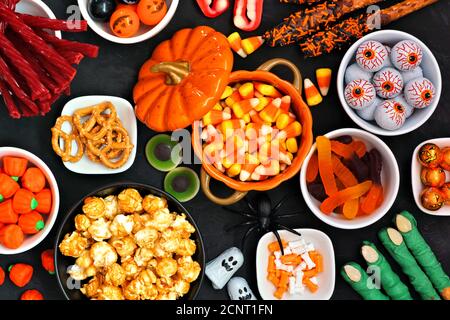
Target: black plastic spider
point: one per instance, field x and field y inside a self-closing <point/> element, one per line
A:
<point x="264" y="217"/>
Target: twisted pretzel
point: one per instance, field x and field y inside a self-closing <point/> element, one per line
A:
<point x="68" y="138"/>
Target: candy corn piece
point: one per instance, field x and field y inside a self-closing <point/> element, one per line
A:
<point x="267" y="90"/>
<point x="250" y="164"/>
<point x="247" y="90"/>
<point x="271" y="112"/>
<point x="257" y="177"/>
<point x="252" y="44"/>
<point x="226" y="93"/>
<point x="291" y="145"/>
<point x="323" y="76"/>
<point x="233" y="98"/>
<point x="228" y="127"/>
<point x="218" y="106"/>
<point x="243" y="107"/>
<point x="235" y="40"/>
<point x="312" y="95"/>
<point x="272" y="168"/>
<point x="285" y="103"/>
<point x="284" y="119"/>
<point x="263" y="102"/>
<point x="234" y="170"/>
<point x="215" y="117"/>
<point x="254" y="116"/>
<point x="292" y="130"/>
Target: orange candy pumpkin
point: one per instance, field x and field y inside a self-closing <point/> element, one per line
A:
<point x="34" y="180"/>
<point x="20" y="274"/>
<point x="31" y="223"/>
<point x="11" y="236"/>
<point x="44" y="199"/>
<point x="183" y="79"/>
<point x="15" y="167"/>
<point x="7" y="214"/>
<point x="32" y="295"/>
<point x="7" y="187"/>
<point x="151" y="12"/>
<point x="24" y="201"/>
<point x="48" y="261"/>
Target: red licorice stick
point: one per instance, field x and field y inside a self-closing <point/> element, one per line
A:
<point x="37" y="43"/>
<point x="34" y="62"/>
<point x="88" y="50"/>
<point x="62" y="82"/>
<point x="12" y="5"/>
<point x="71" y="56"/>
<point x="9" y="101"/>
<point x="26" y="112"/>
<point x="37" y="89"/>
<point x="18" y="92"/>
<point x="53" y="24"/>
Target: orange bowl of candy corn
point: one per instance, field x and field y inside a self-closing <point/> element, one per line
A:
<point x="29" y="200"/>
<point x="350" y="178"/>
<point x="257" y="136"/>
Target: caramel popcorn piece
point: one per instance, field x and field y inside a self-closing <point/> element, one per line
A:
<point x="152" y="203"/>
<point x="103" y="254"/>
<point x="130" y="201"/>
<point x="94" y="208"/>
<point x="73" y="245"/>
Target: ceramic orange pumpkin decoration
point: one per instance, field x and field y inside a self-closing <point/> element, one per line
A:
<point x="8" y="187"/>
<point x="183" y="79"/>
<point x="31" y="223"/>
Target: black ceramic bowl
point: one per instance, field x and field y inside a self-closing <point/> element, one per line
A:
<point x="62" y="263"/>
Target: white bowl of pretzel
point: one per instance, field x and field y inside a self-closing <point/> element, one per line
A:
<point x="96" y="135"/>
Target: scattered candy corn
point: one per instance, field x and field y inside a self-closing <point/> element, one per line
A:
<point x="267" y="90"/>
<point x="233" y="98"/>
<point x="215" y="117"/>
<point x="244" y="106"/>
<point x="323" y="76"/>
<point x="312" y="95"/>
<point x="271" y="111"/>
<point x="285" y="103"/>
<point x="250" y="45"/>
<point x="227" y="92"/>
<point x="235" y="43"/>
<point x="247" y="91"/>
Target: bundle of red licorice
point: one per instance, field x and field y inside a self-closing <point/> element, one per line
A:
<point x="36" y="67"/>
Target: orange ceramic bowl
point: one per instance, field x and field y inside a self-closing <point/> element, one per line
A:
<point x="298" y="107"/>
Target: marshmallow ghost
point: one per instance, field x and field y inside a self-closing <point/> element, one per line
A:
<point x="238" y="289"/>
<point x="222" y="268"/>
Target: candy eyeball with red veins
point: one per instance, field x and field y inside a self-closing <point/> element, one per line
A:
<point x="419" y="93"/>
<point x="406" y="55"/>
<point x="354" y="72"/>
<point x="368" y="113"/>
<point x="412" y="74"/>
<point x="409" y="110"/>
<point x="390" y="115"/>
<point x="371" y="56"/>
<point x="359" y="94"/>
<point x="388" y="83"/>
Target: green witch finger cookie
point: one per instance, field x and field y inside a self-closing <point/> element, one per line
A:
<point x="390" y="281"/>
<point x="359" y="281"/>
<point x="394" y="244"/>
<point x="407" y="225"/>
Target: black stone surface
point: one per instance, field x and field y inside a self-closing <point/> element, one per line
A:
<point x="114" y="73"/>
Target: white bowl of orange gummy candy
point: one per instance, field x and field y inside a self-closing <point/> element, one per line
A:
<point x="390" y="181"/>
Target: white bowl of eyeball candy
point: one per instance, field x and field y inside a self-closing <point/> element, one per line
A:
<point x="389" y="83"/>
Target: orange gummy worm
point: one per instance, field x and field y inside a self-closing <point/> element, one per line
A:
<point x="343" y="173"/>
<point x="350" y="208"/>
<point x="358" y="147"/>
<point x="326" y="165"/>
<point x="370" y="203"/>
<point x="341" y="149"/>
<point x="313" y="169"/>
<point x="330" y="203"/>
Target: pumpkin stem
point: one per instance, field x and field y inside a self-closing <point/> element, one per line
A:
<point x="175" y="71"/>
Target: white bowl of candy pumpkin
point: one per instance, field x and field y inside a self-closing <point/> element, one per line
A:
<point x="389" y="83"/>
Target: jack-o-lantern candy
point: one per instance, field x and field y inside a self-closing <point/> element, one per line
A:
<point x="432" y="198"/>
<point x="445" y="190"/>
<point x="388" y="83"/>
<point x="151" y="12"/>
<point x="390" y="115"/>
<point x="371" y="56"/>
<point x="419" y="93"/>
<point x="359" y="94"/>
<point x="445" y="163"/>
<point x="406" y="55"/>
<point x="430" y="155"/>
<point x="124" y="22"/>
<point x="432" y="177"/>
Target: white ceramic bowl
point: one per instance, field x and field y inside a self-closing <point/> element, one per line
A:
<point x="37" y="8"/>
<point x="33" y="240"/>
<point x="430" y="70"/>
<point x="417" y="186"/>
<point x="125" y="112"/>
<point x="326" y="279"/>
<point x="390" y="179"/>
<point x="144" y="33"/>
